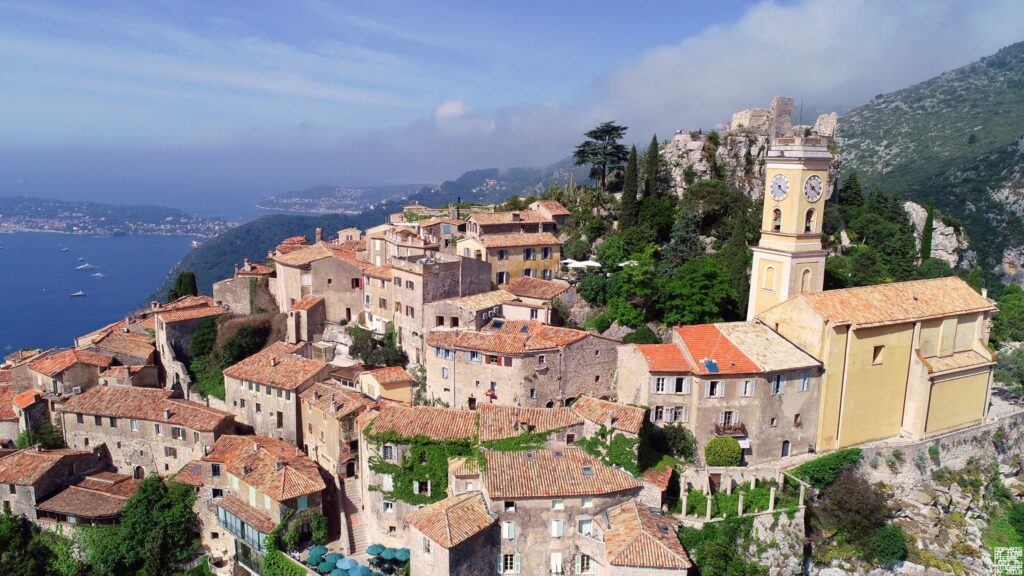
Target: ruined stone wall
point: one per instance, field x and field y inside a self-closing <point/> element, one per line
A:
<point x="340" y="285"/>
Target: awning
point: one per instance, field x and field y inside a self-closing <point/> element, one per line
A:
<point x="744" y="443"/>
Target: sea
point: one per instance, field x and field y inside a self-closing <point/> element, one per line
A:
<point x="38" y="274"/>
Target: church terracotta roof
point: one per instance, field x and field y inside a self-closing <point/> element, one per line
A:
<point x="275" y="467"/>
<point x="897" y="303"/>
<point x="560" y="473"/>
<point x="58" y="362"/>
<point x="453" y="520"/>
<point x="149" y="404"/>
<point x="636" y="537"/>
<point x="276" y="366"/>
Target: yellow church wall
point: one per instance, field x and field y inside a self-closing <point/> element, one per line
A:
<point x="832" y="389"/>
<point x="874" y="394"/>
<point x="957" y="402"/>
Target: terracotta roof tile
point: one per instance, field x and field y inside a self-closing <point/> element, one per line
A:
<point x="957" y="361"/>
<point x="307" y="303"/>
<point x="194" y="313"/>
<point x="508" y="337"/>
<point x="129" y="344"/>
<point x="274" y="467"/>
<point x="765" y="347"/>
<point x="58" y="362"/>
<point x="191" y="474"/>
<point x="390" y="375"/>
<point x="251" y="516"/>
<point x="530" y="287"/>
<point x="497" y="422"/>
<point x="332" y="398"/>
<point x="620" y="416"/>
<point x="553" y="206"/>
<point x="635" y="537"/>
<point x="510" y="217"/>
<point x="305" y="255"/>
<point x="516" y="240"/>
<point x="429" y="421"/>
<point x="664" y="358"/>
<point x="483" y="300"/>
<point x="559" y="473"/>
<point x="150" y="404"/>
<point x="6" y="375"/>
<point x="897" y="303"/>
<point x="27" y="398"/>
<point x="452" y="521"/>
<point x="276" y="366"/>
<point x="94" y="497"/>
<point x="660" y="476"/>
<point x="704" y="343"/>
<point x="26" y="467"/>
<point x="7" y="403"/>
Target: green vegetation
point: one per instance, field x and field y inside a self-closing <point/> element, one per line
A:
<point x="385" y="352"/>
<point x="715" y="548"/>
<point x="823" y="471"/>
<point x="890" y="544"/>
<point x="1008" y="324"/>
<point x="184" y="285"/>
<point x="755" y="500"/>
<point x="681" y="443"/>
<point x="850" y="513"/>
<point x="209" y="362"/>
<point x="613" y="449"/>
<point x="46" y="435"/>
<point x="629" y="207"/>
<point x="524" y="441"/>
<point x="723" y="451"/>
<point x="642" y="335"/>
<point x="275" y="562"/>
<point x="422" y="475"/>
<point x="602" y="151"/>
<point x="25" y="550"/>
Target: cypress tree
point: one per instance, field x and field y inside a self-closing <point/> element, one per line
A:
<point x="184" y="285"/>
<point x="630" y="207"/>
<point x="736" y="256"/>
<point x="685" y="243"/>
<point x="652" y="169"/>
<point x="926" y="233"/>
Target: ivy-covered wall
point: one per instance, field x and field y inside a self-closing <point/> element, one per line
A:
<point x="423" y="460"/>
<point x="614" y="449"/>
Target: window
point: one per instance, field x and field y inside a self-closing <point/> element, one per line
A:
<point x="714" y="389"/>
<point x="586" y="502"/>
<point x="259" y="408"/>
<point x="217" y="492"/>
<point x="541" y="359"/>
<point x="557" y="528"/>
<point x="658" y="414"/>
<point x="659" y="384"/>
<point x="170" y="452"/>
<point x="410" y="311"/>
<point x="266" y="502"/>
<point x="797" y="422"/>
<point x="510" y="506"/>
<point x="728" y="418"/>
<point x="528" y="272"/>
<point x="570" y="439"/>
<point x="809" y="221"/>
<point x="387" y="507"/>
<point x="133" y="424"/>
<point x="280" y="392"/>
<point x="682" y="414"/>
<point x="584" y="565"/>
<point x="301" y="503"/>
<point x="80" y="419"/>
<point x="805" y="280"/>
<point x="682" y="385"/>
<point x="398" y="281"/>
<point x="215" y="470"/>
<point x="455" y="322"/>
<point x="355" y="284"/>
<point x="501" y="278"/>
<point x="195" y="437"/>
<point x="177" y="433"/>
<point x="382" y="303"/>
<point x="439" y="321"/>
<point x="409" y="285"/>
<point x="113" y="422"/>
<point x="805" y="382"/>
<point x="510" y="563"/>
<point x="747" y="388"/>
<point x="421" y="488"/>
<point x="157" y="430"/>
<point x="444" y="372"/>
<point x="241" y="403"/>
<point x="774" y="422"/>
<point x="556" y="563"/>
<point x="508" y="530"/>
<point x="545" y="274"/>
<point x="878" y="355"/>
<point x="778" y="383"/>
<point x="12" y="489"/>
<point x="776" y="220"/>
<point x="533" y="393"/>
<point x="528" y="254"/>
<point x="545" y="253"/>
<point x="474" y="356"/>
<point x="266" y="389"/>
<point x="502" y="254"/>
<point x="389" y="452"/>
<point x="534" y="314"/>
<point x="584" y="526"/>
<point x="425" y="546"/>
<point x="98" y="420"/>
<point x="558" y="504"/>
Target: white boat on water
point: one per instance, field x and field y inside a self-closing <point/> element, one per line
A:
<point x="65" y="249"/>
<point x="86" y="266"/>
<point x="77" y="294"/>
<point x="97" y="275"/>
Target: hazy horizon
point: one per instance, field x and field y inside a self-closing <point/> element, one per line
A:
<point x="211" y="107"/>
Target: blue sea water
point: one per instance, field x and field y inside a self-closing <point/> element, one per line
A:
<point x="37" y="278"/>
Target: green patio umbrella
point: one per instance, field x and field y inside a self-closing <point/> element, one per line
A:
<point x="333" y="558"/>
<point x="347" y="564"/>
<point x="315" y="557"/>
<point x="388" y="554"/>
<point x="339" y="572"/>
<point x="402" y="554"/>
<point x="360" y="571"/>
<point x="325" y="567"/>
<point x="375" y="549"/>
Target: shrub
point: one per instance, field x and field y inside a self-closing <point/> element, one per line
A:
<point x="642" y="335"/>
<point x="824" y="470"/>
<point x="853" y="508"/>
<point x="933" y="453"/>
<point x="681" y="442"/>
<point x="890" y="544"/>
<point x="723" y="451"/>
<point x="601" y="322"/>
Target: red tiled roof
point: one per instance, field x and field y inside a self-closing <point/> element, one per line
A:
<point x="27" y="398"/>
<point x="251" y="516"/>
<point x="276" y="366"/>
<point x="307" y="303"/>
<point x="274" y="467"/>
<point x="511" y="217"/>
<point x="100" y="496"/>
<point x="638" y="538"/>
<point x="150" y="404"/>
<point x="391" y="375"/>
<point x="338" y="401"/>
<point x="516" y="240"/>
<point x="26" y="467"/>
<point x="7" y="403"/>
<point x="452" y="521"/>
<point x="429" y="421"/>
<point x="185" y="314"/>
<point x="660" y="476"/>
<point x="530" y="287"/>
<point x="565" y="472"/>
<point x="497" y="422"/>
<point x="116" y="342"/>
<point x="664" y="358"/>
<point x="6" y="376"/>
<point x="706" y="342"/>
<point x="897" y="302"/>
<point x="512" y="337"/>
<point x="619" y="416"/>
<point x="56" y="363"/>
<point x="191" y="474"/>
<point x="553" y="206"/>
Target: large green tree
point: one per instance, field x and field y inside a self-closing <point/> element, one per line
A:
<point x="684" y="242"/>
<point x="698" y="292"/>
<point x="184" y="285"/>
<point x="602" y="151"/>
<point x="926" y="233"/>
<point x="736" y="256"/>
<point x="656" y="177"/>
<point x="629" y="206"/>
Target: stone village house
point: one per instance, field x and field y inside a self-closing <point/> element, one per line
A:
<point x="30" y="476"/>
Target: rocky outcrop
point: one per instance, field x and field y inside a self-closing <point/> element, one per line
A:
<point x="777" y="542"/>
<point x="947" y="244"/>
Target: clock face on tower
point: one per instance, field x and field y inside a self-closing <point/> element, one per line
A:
<point x="812" y="188"/>
<point x="780" y="187"/>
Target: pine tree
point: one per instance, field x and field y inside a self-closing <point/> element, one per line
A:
<point x="184" y="285"/>
<point x="602" y="151"/>
<point x="926" y="233"/>
<point x="630" y="206"/>
<point x="851" y="197"/>
<point x="654" y="177"/>
<point x="685" y="243"/>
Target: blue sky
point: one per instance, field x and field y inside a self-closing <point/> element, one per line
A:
<point x="202" y="104"/>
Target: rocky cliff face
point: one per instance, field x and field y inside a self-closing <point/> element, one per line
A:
<point x="948" y="245"/>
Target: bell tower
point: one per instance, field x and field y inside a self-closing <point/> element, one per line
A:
<point x="790" y="259"/>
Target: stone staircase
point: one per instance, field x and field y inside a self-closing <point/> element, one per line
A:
<point x="351" y="507"/>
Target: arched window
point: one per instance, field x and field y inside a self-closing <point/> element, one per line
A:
<point x="809" y="221"/>
<point x="805" y="281"/>
<point x="769" y="278"/>
<point x="776" y="220"/>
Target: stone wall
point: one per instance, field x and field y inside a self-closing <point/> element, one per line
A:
<point x="234" y="293"/>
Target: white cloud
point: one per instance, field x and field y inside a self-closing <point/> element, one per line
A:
<point x="450" y="109"/>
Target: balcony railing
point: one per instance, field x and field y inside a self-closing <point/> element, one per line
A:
<point x="732" y="429"/>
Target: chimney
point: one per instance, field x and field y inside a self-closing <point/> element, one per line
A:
<point x="319" y="234"/>
<point x="984" y="292"/>
<point x="245" y="470"/>
<point x="334" y="404"/>
<point x="245" y="264"/>
<point x="167" y="414"/>
<point x="273" y="360"/>
<point x="154" y="305"/>
<point x="515" y="217"/>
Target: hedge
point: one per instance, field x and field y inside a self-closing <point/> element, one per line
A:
<point x="723" y="451"/>
<point x="824" y="470"/>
